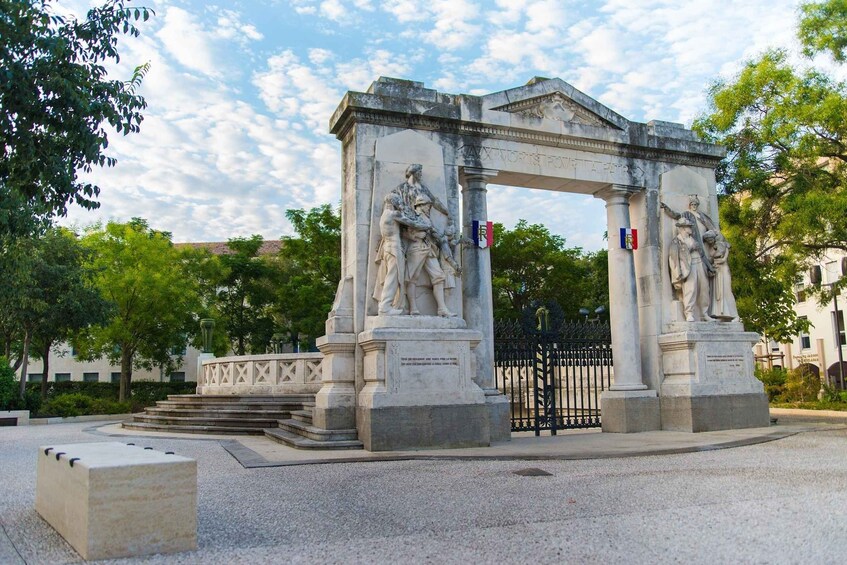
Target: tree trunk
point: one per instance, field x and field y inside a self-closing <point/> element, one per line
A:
<point x="25" y="361"/>
<point x="45" y="355"/>
<point x="126" y="374"/>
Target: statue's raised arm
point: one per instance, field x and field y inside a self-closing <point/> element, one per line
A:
<point x="670" y="211"/>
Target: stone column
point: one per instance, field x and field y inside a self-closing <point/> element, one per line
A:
<point x="477" y="299"/>
<point x="627" y="406"/>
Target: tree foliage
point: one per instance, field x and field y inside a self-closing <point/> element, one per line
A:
<point x="154" y="298"/>
<point x="529" y="264"/>
<point x="244" y="295"/>
<point x="784" y="180"/>
<point x="55" y="104"/>
<point x="310" y="268"/>
<point x="64" y="286"/>
<point x="47" y="296"/>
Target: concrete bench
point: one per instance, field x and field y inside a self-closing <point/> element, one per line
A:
<point x="14" y="417"/>
<point x="112" y="500"/>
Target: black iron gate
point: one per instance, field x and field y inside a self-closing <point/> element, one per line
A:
<point x="552" y="371"/>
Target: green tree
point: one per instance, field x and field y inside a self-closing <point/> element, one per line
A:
<point x="784" y="181"/>
<point x="21" y="304"/>
<point x="310" y="268"/>
<point x="531" y="264"/>
<point x="64" y="286"/>
<point x="245" y="292"/>
<point x="154" y="298"/>
<point x="55" y="102"/>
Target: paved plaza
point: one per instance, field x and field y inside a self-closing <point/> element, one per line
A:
<point x="781" y="500"/>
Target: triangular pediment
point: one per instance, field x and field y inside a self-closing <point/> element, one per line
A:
<point x="554" y="99"/>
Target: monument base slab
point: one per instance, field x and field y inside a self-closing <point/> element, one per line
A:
<point x="423" y="427"/>
<point x="630" y="411"/>
<point x="712" y="413"/>
<point x="709" y="383"/>
<point x="419" y="391"/>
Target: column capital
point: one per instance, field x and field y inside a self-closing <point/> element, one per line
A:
<point x="617" y="193"/>
<point x="476" y="173"/>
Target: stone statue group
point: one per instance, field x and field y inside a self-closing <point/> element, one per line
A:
<point x="410" y="244"/>
<point x="698" y="266"/>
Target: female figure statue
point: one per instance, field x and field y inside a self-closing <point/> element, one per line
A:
<point x="723" y="301"/>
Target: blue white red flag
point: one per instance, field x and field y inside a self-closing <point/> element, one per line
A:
<point x="629" y="238"/>
<point x="483" y="234"/>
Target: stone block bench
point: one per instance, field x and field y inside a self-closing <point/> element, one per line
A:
<point x="111" y="500"/>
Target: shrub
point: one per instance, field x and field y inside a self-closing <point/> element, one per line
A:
<point x="9" y="399"/>
<point x="774" y="380"/>
<point x="78" y="404"/>
<point x="801" y="385"/>
<point x="145" y="393"/>
<point x="830" y="394"/>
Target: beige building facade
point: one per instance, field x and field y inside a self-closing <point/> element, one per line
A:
<point x="64" y="366"/>
<point x="824" y="346"/>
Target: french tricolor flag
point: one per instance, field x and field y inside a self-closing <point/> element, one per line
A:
<point x="483" y="234"/>
<point x="629" y="238"/>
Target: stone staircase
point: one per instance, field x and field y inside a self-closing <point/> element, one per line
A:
<point x="286" y="419"/>
<point x="208" y="414"/>
<point x="298" y="431"/>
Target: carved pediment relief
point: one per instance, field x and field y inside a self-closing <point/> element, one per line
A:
<point x="555" y="106"/>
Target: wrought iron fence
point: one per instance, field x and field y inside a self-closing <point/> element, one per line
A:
<point x="552" y="373"/>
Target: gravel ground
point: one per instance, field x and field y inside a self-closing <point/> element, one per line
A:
<point x="779" y="502"/>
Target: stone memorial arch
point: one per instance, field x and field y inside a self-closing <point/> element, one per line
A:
<point x="408" y="350"/>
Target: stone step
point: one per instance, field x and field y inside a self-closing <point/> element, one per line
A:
<point x="318" y="434"/>
<point x="193" y="429"/>
<point x="207" y="422"/>
<point x="241" y="405"/>
<point x="293" y="440"/>
<point x="304" y="416"/>
<point x="263" y="406"/>
<point x="250" y="399"/>
<point x="217" y="413"/>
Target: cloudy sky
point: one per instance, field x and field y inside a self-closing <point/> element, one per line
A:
<point x="240" y="93"/>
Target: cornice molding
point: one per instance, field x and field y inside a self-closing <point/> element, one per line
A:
<point x="482" y="131"/>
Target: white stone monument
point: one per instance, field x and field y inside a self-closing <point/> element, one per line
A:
<point x="408" y="354"/>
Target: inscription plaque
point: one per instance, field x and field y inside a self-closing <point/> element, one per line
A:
<point x="425" y="361"/>
<point x="725" y="366"/>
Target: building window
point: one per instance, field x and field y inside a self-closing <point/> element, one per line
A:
<point x="805" y="338"/>
<point x="800" y="289"/>
<point x="832" y="272"/>
<point x="91" y="377"/>
<point x="839" y="324"/>
<point x="63" y="377"/>
<point x="116" y="377"/>
<point x="34" y="377"/>
<point x="179" y="350"/>
<point x="178" y="377"/>
<point x="774" y="345"/>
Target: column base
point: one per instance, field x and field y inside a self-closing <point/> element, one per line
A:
<point x="499" y="415"/>
<point x="334" y="418"/>
<point x="630" y="411"/>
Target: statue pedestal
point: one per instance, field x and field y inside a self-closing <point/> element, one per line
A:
<point x="419" y="391"/>
<point x="709" y="383"/>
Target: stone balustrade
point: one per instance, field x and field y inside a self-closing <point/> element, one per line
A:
<point x="273" y="374"/>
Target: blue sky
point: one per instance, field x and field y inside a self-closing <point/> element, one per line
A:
<point x="240" y="93"/>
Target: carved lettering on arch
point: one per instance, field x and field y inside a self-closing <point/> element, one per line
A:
<point x="577" y="167"/>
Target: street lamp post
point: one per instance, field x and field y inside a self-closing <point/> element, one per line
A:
<point x="585" y="312"/>
<point x="838" y="337"/>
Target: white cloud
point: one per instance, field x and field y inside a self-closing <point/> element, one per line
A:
<point x="236" y="129"/>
